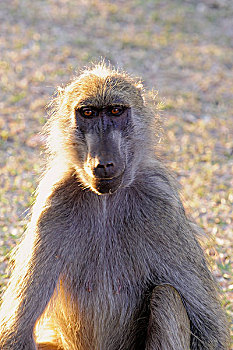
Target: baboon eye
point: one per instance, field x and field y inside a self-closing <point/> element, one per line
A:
<point x="117" y="110"/>
<point x="88" y="112"/>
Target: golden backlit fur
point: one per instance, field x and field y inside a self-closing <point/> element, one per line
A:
<point x="109" y="262"/>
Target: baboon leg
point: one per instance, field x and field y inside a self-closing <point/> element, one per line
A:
<point x="169" y="326"/>
<point x="48" y="346"/>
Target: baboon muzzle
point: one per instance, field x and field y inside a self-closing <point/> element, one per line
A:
<point x="106" y="173"/>
<point x="104" y="166"/>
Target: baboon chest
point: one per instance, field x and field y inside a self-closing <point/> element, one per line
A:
<point x="110" y="310"/>
<point x="108" y="280"/>
<point x="109" y="299"/>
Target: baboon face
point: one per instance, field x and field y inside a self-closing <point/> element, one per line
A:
<point x="104" y="130"/>
<point x="102" y="143"/>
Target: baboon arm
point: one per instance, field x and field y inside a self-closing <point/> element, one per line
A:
<point x="169" y="326"/>
<point x="31" y="287"/>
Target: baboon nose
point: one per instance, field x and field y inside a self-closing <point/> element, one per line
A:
<point x="105" y="170"/>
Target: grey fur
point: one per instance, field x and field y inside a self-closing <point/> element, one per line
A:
<point x="92" y="261"/>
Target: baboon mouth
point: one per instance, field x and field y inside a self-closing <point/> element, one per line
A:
<point x="107" y="185"/>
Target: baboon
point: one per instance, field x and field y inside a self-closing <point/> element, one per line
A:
<point x="109" y="260"/>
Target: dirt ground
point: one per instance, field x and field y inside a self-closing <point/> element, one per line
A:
<point x="182" y="49"/>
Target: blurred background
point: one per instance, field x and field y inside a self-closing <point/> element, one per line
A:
<point x="182" y="49"/>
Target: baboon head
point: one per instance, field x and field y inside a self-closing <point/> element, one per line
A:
<point x="102" y="128"/>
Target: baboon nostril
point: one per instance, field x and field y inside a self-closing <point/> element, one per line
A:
<point x="100" y="166"/>
<point x="104" y="170"/>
